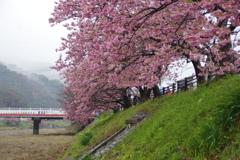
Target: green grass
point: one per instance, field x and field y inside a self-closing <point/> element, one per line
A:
<point x="59" y="123"/>
<point x="45" y="123"/>
<point x="2" y="124"/>
<point x="199" y="124"/>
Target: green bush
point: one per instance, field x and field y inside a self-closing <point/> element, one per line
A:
<point x="85" y="139"/>
<point x="76" y="156"/>
<point x="89" y="157"/>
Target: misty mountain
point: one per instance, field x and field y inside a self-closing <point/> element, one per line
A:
<point x="41" y="69"/>
<point x="32" y="91"/>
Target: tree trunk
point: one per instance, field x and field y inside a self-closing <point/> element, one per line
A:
<point x="156" y="91"/>
<point x="126" y="102"/>
<point x="200" y="79"/>
<point x="145" y="94"/>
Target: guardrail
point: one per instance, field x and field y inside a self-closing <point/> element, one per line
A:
<point x="31" y="111"/>
<point x="188" y="83"/>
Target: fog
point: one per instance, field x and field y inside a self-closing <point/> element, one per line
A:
<point x="26" y="38"/>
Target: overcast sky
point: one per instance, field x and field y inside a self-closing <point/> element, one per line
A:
<point x="26" y="38"/>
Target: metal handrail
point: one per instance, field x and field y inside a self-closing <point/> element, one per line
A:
<point x="183" y="84"/>
<point x="10" y="110"/>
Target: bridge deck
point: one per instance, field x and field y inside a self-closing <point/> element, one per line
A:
<point x="14" y="115"/>
<point x="48" y="113"/>
<point x="36" y="114"/>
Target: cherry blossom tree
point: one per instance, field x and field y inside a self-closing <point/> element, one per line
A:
<point x="117" y="44"/>
<point x="11" y="121"/>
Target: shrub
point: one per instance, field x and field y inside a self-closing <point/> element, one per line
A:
<point x="11" y="121"/>
<point x="85" y="139"/>
<point x="89" y="157"/>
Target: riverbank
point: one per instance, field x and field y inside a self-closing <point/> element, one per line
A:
<point x="199" y="124"/>
<point x="50" y="144"/>
<point x="8" y="128"/>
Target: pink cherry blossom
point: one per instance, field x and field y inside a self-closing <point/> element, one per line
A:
<point x="116" y="45"/>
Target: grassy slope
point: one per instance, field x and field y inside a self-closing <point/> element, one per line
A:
<point x="199" y="124"/>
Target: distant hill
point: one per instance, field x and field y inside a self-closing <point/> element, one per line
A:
<point x="34" y="91"/>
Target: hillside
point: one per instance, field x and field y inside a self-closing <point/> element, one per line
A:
<point x="199" y="124"/>
<point x="35" y="91"/>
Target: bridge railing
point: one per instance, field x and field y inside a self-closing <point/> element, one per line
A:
<point x="31" y="111"/>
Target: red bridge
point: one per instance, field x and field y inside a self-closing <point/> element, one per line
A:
<point x="35" y="113"/>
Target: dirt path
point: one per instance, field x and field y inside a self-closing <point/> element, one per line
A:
<point x="23" y="145"/>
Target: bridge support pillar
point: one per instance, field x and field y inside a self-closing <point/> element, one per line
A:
<point x="36" y="121"/>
